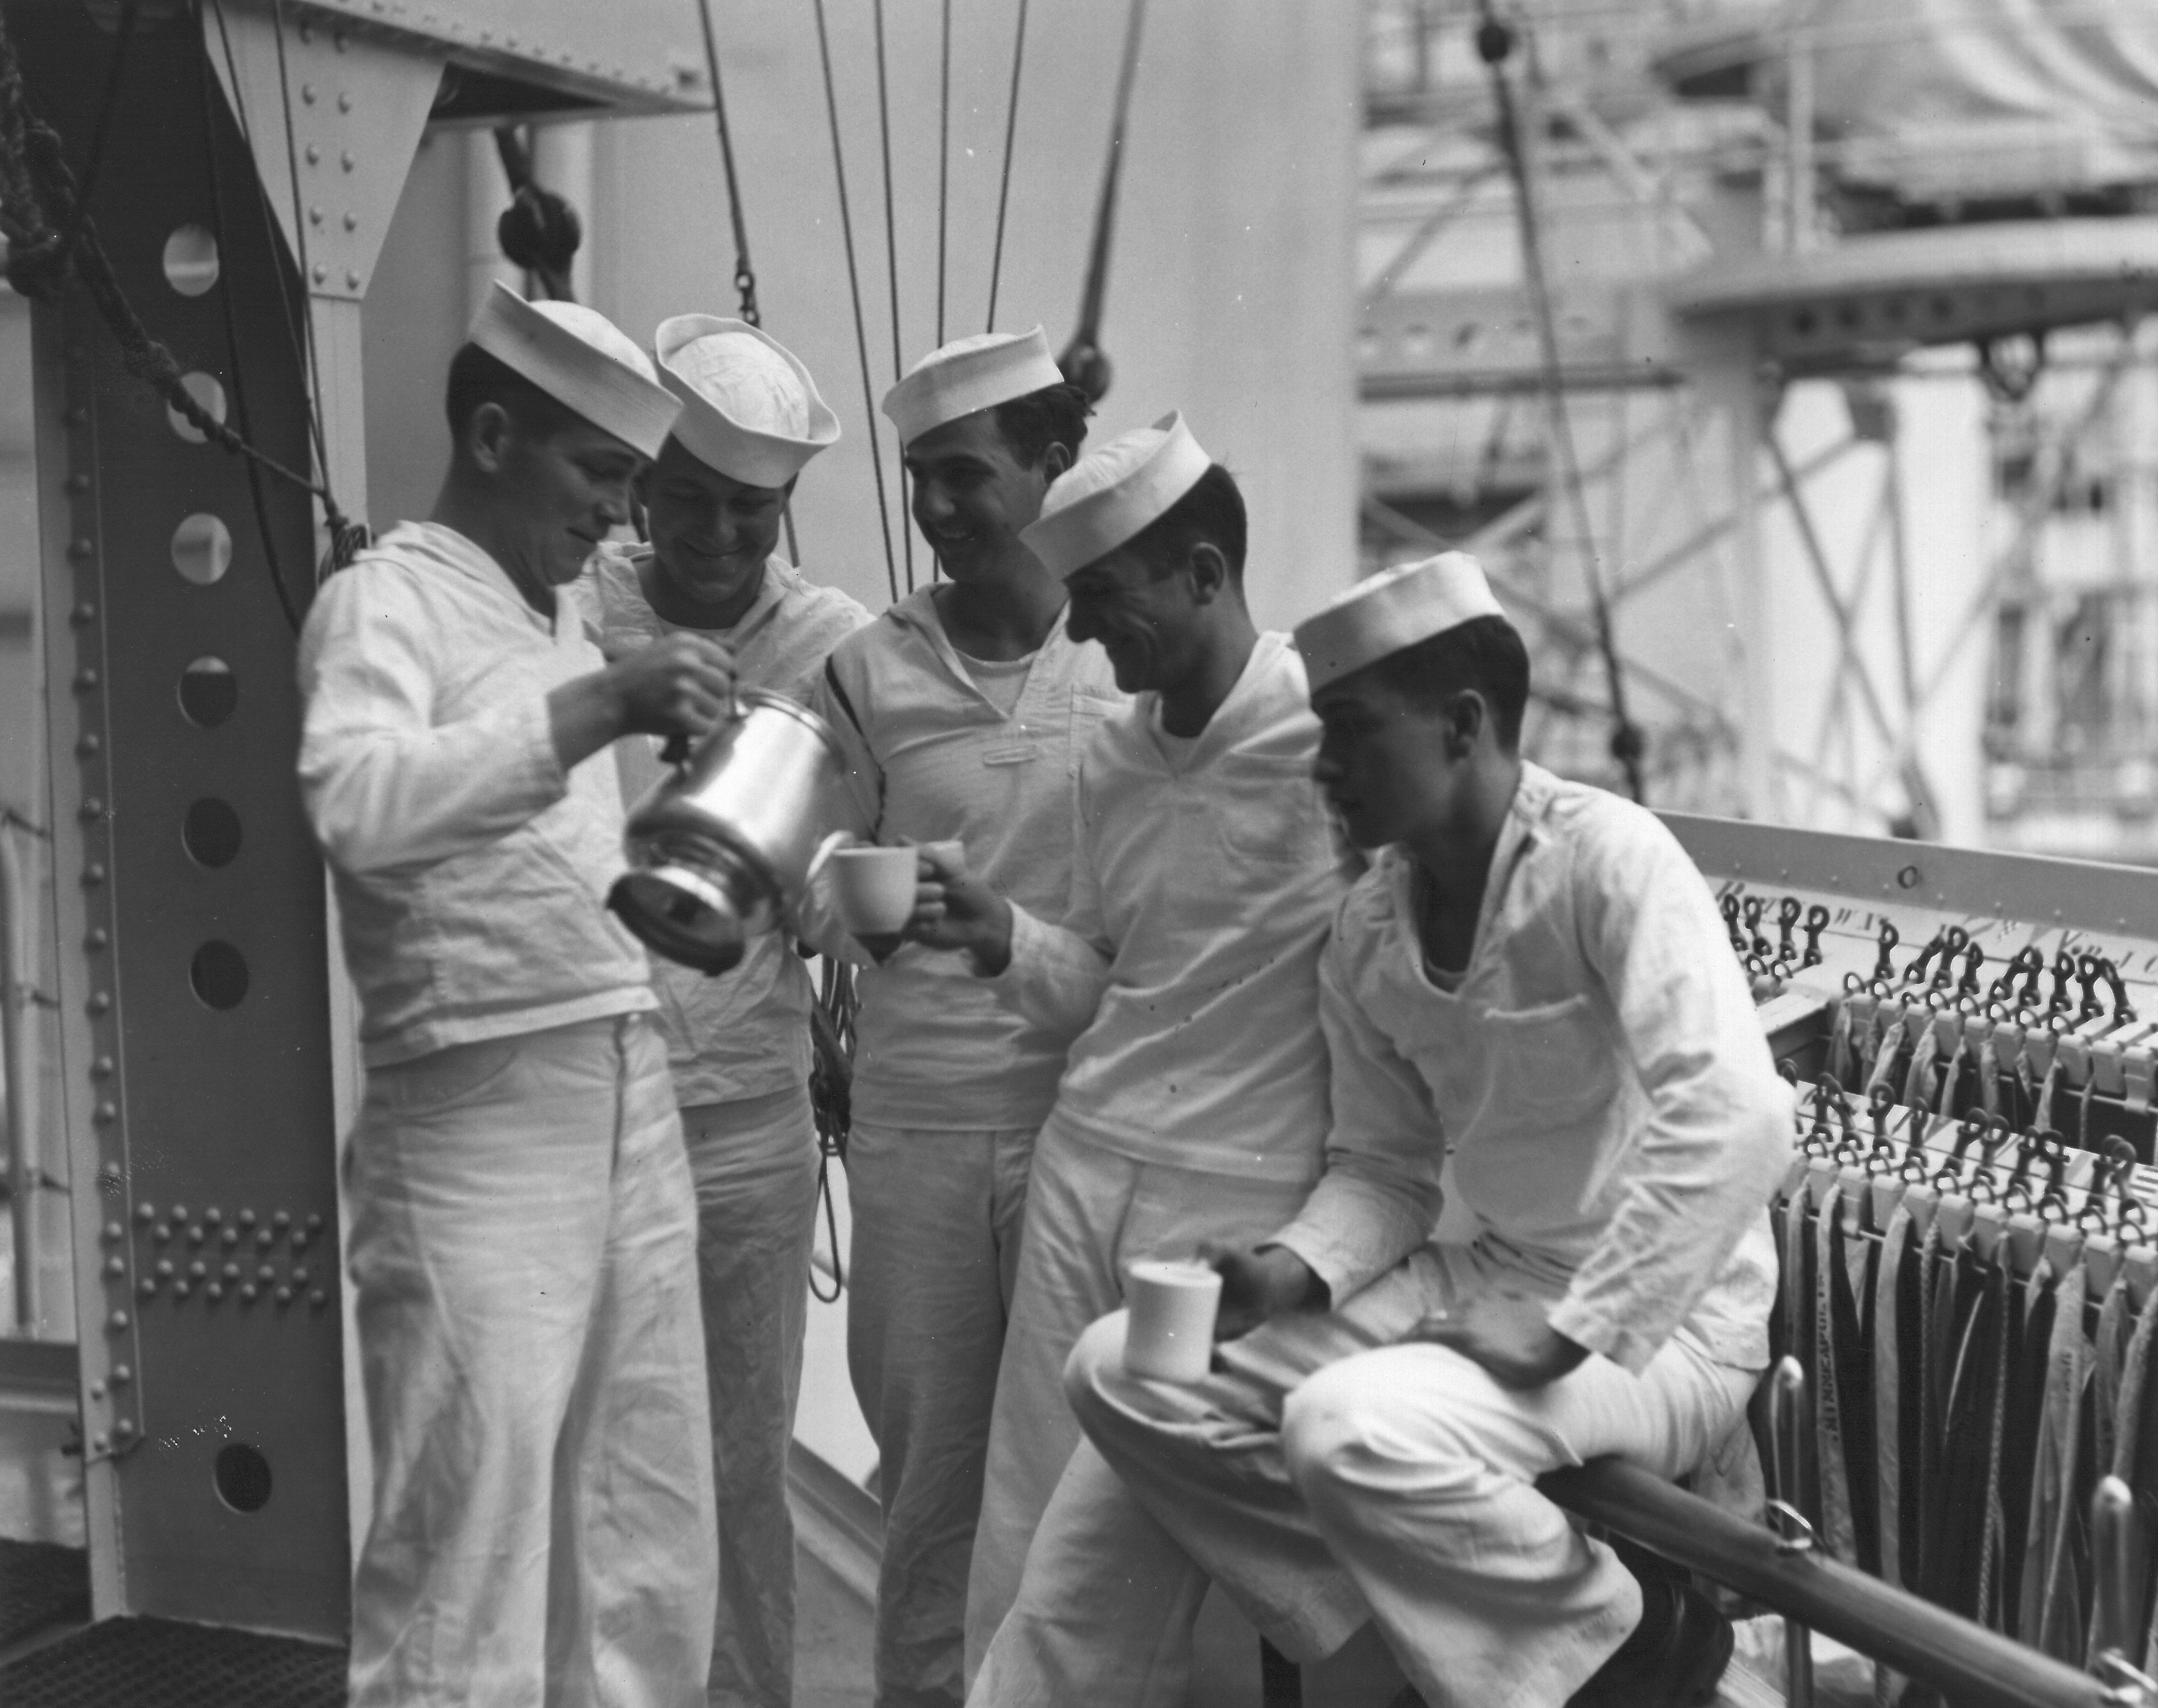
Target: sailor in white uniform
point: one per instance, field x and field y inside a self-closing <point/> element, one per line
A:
<point x="1535" y="976"/>
<point x="960" y="712"/>
<point x="523" y="1247"/>
<point x="739" y="1045"/>
<point x="1193" y="1106"/>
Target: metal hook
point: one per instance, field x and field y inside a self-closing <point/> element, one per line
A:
<point x="2123" y="1009"/>
<point x="1883" y="968"/>
<point x="1788" y="913"/>
<point x="1816" y="923"/>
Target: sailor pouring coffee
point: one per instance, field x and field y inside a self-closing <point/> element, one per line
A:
<point x="523" y="1245"/>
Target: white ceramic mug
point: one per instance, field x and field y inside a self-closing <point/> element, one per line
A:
<point x="873" y="888"/>
<point x="1170" y="1336"/>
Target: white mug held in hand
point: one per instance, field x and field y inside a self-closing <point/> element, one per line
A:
<point x="1171" y="1335"/>
<point x="874" y="888"/>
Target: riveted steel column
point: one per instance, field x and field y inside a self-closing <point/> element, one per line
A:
<point x="196" y="1053"/>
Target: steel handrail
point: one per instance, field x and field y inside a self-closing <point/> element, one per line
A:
<point x="1970" y="1665"/>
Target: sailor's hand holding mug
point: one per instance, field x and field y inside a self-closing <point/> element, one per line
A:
<point x="1259" y="1285"/>
<point x="955" y="910"/>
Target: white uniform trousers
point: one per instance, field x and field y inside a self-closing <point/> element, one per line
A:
<point x="1090" y="1213"/>
<point x="1323" y="1475"/>
<point x="754" y="1162"/>
<point x="935" y="1255"/>
<point x="523" y="1257"/>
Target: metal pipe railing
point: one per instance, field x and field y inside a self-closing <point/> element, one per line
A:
<point x="1972" y="1666"/>
<point x="23" y="1173"/>
<point x="2116" y="1578"/>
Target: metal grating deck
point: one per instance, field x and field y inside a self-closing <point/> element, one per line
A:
<point x="41" y="1584"/>
<point x="161" y="1664"/>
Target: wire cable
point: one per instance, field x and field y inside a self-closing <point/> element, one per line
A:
<point x="259" y="503"/>
<point x="1495" y="43"/>
<point x="744" y="274"/>
<point x="943" y="164"/>
<point x="1003" y="184"/>
<point x="289" y="318"/>
<point x="855" y="290"/>
<point x="130" y="12"/>
<point x="300" y="240"/>
<point x="891" y="264"/>
<point x="1082" y="361"/>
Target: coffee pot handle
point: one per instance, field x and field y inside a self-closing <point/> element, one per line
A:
<point x="680" y="748"/>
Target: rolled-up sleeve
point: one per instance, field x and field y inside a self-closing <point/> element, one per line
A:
<point x="1379" y="1197"/>
<point x="386" y="788"/>
<point x="1718" y="1131"/>
<point x="1056" y="976"/>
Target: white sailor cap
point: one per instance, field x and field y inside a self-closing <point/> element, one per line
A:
<point x="969" y="374"/>
<point x="582" y="360"/>
<point x="1111" y="493"/>
<point x="749" y="407"/>
<point x="1393" y="609"/>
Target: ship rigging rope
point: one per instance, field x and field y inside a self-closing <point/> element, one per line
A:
<point x="744" y="274"/>
<point x="207" y="85"/>
<point x="891" y="267"/>
<point x="299" y="238"/>
<point x="1003" y="182"/>
<point x="1495" y="43"/>
<point x="855" y="290"/>
<point x="943" y="162"/>
<point x="52" y="237"/>
<point x="1083" y="363"/>
<point x="289" y="318"/>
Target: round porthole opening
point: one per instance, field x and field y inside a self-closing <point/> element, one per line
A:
<point x="210" y="692"/>
<point x="202" y="548"/>
<point x="218" y="974"/>
<point x="211" y="832"/>
<point x="190" y="260"/>
<point x="242" y="1476"/>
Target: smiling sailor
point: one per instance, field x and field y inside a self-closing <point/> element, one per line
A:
<point x="751" y="421"/>
<point x="523" y="1246"/>
<point x="1194" y="1103"/>
<point x="961" y="713"/>
<point x="1533" y="981"/>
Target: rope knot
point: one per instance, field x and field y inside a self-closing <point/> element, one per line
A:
<point x="539" y="232"/>
<point x="1084" y="365"/>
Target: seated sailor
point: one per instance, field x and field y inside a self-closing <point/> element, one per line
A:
<point x="1205" y="875"/>
<point x="1534" y="978"/>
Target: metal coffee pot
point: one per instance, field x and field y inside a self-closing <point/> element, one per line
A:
<point x="725" y="847"/>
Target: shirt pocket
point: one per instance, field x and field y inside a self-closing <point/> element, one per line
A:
<point x="1268" y="813"/>
<point x="1549" y="1067"/>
